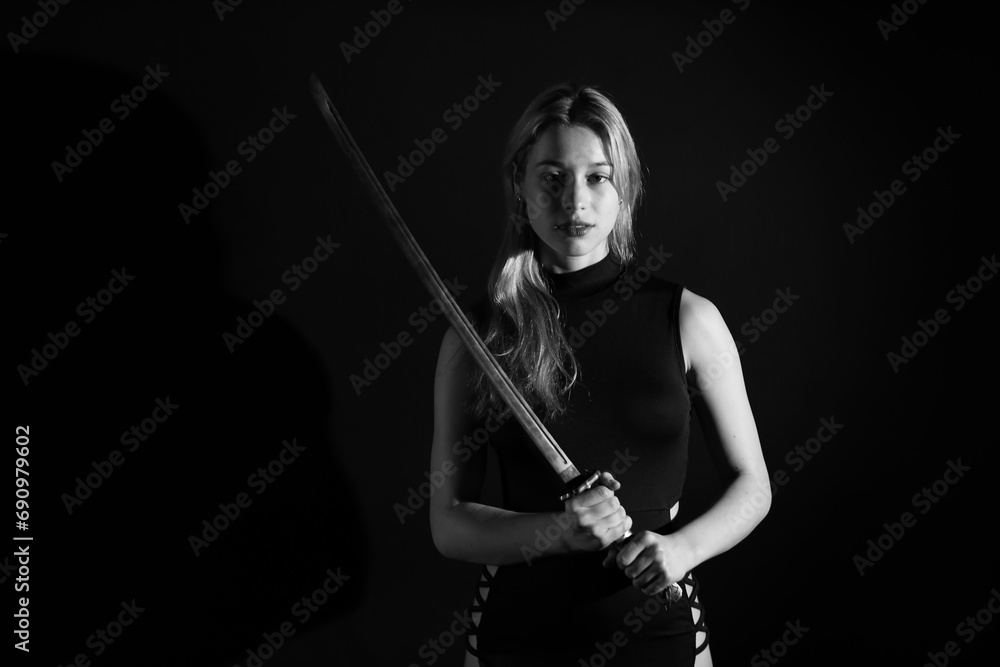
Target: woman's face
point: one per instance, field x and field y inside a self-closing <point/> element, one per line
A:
<point x="571" y="203"/>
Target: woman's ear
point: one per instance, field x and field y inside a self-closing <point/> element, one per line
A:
<point x="514" y="180"/>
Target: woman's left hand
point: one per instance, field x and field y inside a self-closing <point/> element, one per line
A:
<point x="652" y="561"/>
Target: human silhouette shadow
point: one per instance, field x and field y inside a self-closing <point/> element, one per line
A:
<point x="158" y="339"/>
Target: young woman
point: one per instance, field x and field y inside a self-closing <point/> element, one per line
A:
<point x="613" y="359"/>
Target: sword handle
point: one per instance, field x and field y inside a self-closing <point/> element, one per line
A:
<point x="584" y="482"/>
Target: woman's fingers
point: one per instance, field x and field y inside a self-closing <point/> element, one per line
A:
<point x="652" y="562"/>
<point x="591" y="497"/>
<point x="598" y="518"/>
<point x="608" y="480"/>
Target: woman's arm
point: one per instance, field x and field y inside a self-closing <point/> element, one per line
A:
<point x="713" y="364"/>
<point x="465" y="529"/>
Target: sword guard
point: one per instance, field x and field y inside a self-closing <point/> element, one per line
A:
<point x="583" y="482"/>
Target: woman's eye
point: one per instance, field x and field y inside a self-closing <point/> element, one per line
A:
<point x="600" y="178"/>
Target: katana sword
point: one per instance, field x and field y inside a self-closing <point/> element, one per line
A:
<point x="575" y="481"/>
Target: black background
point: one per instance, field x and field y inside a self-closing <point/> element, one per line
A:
<point x="334" y="506"/>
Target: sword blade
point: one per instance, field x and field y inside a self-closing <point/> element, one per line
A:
<point x="543" y="440"/>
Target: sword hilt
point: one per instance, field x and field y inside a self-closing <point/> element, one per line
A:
<point x="586" y="481"/>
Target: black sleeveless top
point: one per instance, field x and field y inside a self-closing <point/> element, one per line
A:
<point x="629" y="411"/>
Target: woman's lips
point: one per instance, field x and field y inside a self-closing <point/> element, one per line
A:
<point x="574" y="228"/>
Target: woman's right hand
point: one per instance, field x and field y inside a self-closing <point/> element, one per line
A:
<point x="596" y="518"/>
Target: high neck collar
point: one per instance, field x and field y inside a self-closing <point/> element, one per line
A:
<point x="586" y="281"/>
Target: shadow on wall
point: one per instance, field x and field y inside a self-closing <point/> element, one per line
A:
<point x="244" y="430"/>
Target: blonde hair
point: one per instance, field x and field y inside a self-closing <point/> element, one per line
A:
<point x="524" y="331"/>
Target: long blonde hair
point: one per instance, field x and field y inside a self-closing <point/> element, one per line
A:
<point x="524" y="331"/>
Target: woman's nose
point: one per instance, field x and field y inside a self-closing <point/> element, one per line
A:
<point x="574" y="195"/>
